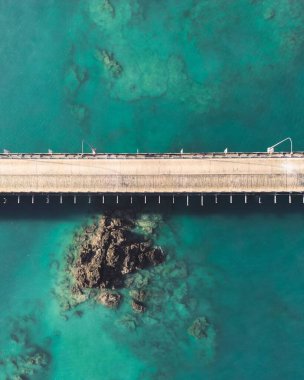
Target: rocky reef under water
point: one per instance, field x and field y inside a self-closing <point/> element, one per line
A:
<point x="102" y="257"/>
<point x="114" y="262"/>
<point x="23" y="358"/>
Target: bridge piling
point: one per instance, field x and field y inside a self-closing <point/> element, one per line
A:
<point x="75" y="199"/>
<point x="60" y="199"/>
<point x="202" y="200"/>
<point x="33" y="199"/>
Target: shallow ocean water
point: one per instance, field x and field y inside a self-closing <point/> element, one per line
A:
<point x="199" y="75"/>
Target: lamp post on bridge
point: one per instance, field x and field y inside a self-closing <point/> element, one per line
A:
<point x="91" y="147"/>
<point x="271" y="148"/>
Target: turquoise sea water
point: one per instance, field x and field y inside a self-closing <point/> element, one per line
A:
<point x="199" y="75"/>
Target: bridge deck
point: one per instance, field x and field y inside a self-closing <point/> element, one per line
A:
<point x="151" y="173"/>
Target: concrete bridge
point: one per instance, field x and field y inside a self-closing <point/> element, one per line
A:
<point x="170" y="173"/>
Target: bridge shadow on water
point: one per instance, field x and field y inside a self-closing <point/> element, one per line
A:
<point x="51" y="209"/>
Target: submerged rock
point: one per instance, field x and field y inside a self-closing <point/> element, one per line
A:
<point x="109" y="62"/>
<point x="109" y="299"/>
<point x="199" y="328"/>
<point x="138" y="295"/>
<point x="128" y="321"/>
<point x="138" y="306"/>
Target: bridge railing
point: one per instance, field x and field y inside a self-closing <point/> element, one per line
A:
<point x="198" y="155"/>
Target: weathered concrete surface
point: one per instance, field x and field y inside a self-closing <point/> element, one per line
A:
<point x="152" y="175"/>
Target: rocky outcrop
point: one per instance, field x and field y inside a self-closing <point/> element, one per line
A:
<point x="109" y="299"/>
<point x="110" y="250"/>
<point x="138" y="306"/>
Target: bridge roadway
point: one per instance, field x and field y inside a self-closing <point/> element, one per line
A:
<point x="151" y="173"/>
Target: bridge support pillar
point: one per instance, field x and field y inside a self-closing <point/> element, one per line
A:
<point x="245" y="200"/>
<point x="89" y="200"/>
<point x="202" y="200"/>
<point x="230" y="200"/>
<point x="145" y="199"/>
<point x="275" y="198"/>
<point x="75" y="199"/>
<point x="131" y="199"/>
<point x="18" y="199"/>
<point x="215" y="199"/>
<point x="103" y="199"/>
<point x="260" y="200"/>
<point x="173" y="200"/>
<point x="47" y="199"/>
<point x="187" y="200"/>
<point x="289" y="198"/>
<point x="159" y="199"/>
<point x="117" y="199"/>
<point x="60" y="200"/>
<point x="33" y="199"/>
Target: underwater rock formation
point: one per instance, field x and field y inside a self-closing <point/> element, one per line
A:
<point x="199" y="328"/>
<point x="138" y="306"/>
<point x="109" y="299"/>
<point x="23" y="359"/>
<point x="111" y="251"/>
<point x="109" y="62"/>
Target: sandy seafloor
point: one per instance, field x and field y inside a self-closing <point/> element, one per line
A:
<point x="198" y="75"/>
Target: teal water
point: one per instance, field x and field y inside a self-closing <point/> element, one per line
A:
<point x="199" y="75"/>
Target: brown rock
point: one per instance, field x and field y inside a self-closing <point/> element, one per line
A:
<point x="111" y="250"/>
<point x="138" y="306"/>
<point x="109" y="299"/>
